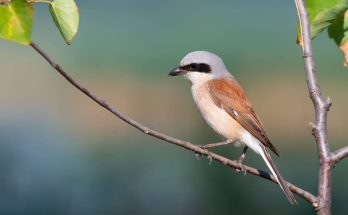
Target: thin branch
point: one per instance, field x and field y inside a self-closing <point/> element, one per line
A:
<point x="338" y="155"/>
<point x="321" y="106"/>
<point x="184" y="144"/>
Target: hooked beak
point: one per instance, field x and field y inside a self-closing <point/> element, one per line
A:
<point x="176" y="71"/>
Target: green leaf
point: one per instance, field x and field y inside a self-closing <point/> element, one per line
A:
<point x="338" y="31"/>
<point x="16" y="18"/>
<point x="66" y="16"/>
<point x="321" y="14"/>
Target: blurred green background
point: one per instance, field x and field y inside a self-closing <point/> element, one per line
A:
<point x="60" y="153"/>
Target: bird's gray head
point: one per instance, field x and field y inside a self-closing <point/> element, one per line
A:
<point x="201" y="66"/>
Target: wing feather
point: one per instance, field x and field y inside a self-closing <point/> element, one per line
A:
<point x="229" y="95"/>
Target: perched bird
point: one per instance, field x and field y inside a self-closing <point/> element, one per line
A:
<point x="225" y="107"/>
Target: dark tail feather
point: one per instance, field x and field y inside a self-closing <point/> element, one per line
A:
<point x="284" y="185"/>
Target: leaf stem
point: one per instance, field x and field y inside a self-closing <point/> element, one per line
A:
<point x="39" y="1"/>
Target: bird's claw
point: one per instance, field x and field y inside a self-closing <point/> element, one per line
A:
<point x="208" y="154"/>
<point x="241" y="168"/>
<point x="210" y="158"/>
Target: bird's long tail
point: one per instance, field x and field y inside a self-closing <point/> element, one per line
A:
<point x="267" y="158"/>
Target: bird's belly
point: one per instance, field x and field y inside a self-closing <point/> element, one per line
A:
<point x="216" y="117"/>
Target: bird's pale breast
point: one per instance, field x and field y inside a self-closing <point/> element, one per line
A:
<point x="216" y="117"/>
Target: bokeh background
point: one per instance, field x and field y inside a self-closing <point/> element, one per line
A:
<point x="60" y="153"/>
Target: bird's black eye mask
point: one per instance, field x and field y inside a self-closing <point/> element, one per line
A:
<point x="197" y="67"/>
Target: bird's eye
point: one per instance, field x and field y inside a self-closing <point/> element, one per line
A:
<point x="194" y="67"/>
<point x="197" y="67"/>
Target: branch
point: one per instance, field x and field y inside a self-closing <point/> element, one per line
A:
<point x="338" y="155"/>
<point x="184" y="144"/>
<point x="321" y="106"/>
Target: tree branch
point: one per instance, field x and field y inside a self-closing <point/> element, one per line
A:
<point x="184" y="144"/>
<point x="338" y="155"/>
<point x="321" y="106"/>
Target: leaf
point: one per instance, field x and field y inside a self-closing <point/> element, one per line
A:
<point x="66" y="17"/>
<point x="16" y="21"/>
<point x="338" y="31"/>
<point x="321" y="14"/>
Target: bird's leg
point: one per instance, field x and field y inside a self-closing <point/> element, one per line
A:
<point x="241" y="159"/>
<point x="211" y="145"/>
<point x="205" y="147"/>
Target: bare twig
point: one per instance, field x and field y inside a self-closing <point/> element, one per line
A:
<point x="338" y="155"/>
<point x="184" y="144"/>
<point x="321" y="106"/>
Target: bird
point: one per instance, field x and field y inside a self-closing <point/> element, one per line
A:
<point x="227" y="110"/>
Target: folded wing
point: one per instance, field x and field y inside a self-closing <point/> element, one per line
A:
<point x="229" y="95"/>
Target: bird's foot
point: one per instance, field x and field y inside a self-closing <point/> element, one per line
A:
<point x="198" y="156"/>
<point x="207" y="153"/>
<point x="240" y="161"/>
<point x="210" y="158"/>
<point x="241" y="168"/>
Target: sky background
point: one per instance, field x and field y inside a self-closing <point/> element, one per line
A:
<point x="60" y="153"/>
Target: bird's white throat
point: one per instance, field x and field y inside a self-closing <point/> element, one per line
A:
<point x="198" y="78"/>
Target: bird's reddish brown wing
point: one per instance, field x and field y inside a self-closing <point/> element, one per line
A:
<point x="228" y="94"/>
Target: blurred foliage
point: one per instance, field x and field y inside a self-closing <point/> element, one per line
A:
<point x="62" y="154"/>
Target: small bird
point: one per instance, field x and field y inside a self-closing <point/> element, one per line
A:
<point x="226" y="108"/>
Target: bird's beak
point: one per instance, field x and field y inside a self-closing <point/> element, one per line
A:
<point x="176" y="71"/>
